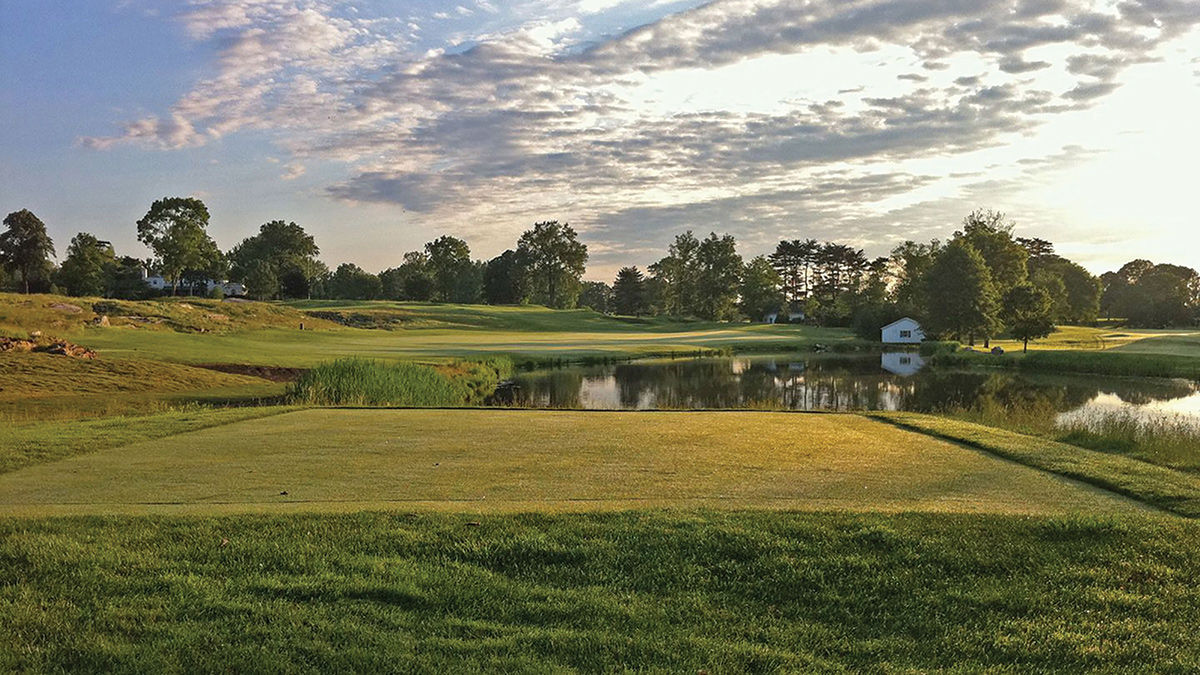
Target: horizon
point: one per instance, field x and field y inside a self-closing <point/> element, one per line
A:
<point x="380" y="126"/>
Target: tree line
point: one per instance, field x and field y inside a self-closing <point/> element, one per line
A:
<point x="980" y="283"/>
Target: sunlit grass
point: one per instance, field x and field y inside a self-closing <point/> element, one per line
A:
<point x="1163" y="487"/>
<point x="531" y="460"/>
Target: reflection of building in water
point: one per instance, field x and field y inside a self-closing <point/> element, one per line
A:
<point x="901" y="363"/>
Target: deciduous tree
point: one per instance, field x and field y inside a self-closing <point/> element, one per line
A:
<point x="556" y="260"/>
<point x="962" y="300"/>
<point x="26" y="249"/>
<point x="761" y="293"/>
<point x="89" y="266"/>
<point x="1028" y="313"/>
<point x="175" y="230"/>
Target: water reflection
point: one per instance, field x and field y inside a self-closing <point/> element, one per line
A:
<point x="894" y="381"/>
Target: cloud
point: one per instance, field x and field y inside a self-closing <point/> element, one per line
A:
<point x="524" y="112"/>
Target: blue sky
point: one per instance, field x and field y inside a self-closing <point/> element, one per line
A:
<point x="381" y="125"/>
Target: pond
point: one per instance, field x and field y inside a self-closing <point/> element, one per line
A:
<point x="891" y="381"/>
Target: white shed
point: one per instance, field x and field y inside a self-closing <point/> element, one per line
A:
<point x="902" y="331"/>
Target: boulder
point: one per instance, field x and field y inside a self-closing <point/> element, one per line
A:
<point x="101" y="320"/>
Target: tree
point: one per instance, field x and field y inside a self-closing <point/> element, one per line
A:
<point x="761" y="293"/>
<point x="287" y="249"/>
<point x="597" y="296"/>
<point x="506" y="279"/>
<point x="261" y="282"/>
<point x="448" y="259"/>
<point x="629" y="293"/>
<point x="1029" y="313"/>
<point x="962" y="300"/>
<point x="794" y="260"/>
<point x="351" y="282"/>
<point x="174" y="228"/>
<point x="89" y="266"/>
<point x="909" y="263"/>
<point x="26" y="249"/>
<point x="719" y="275"/>
<point x="989" y="233"/>
<point x="127" y="282"/>
<point x="678" y="275"/>
<point x="556" y="260"/>
<point x="412" y="280"/>
<point x="1163" y="296"/>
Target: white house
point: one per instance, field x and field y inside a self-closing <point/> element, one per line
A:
<point x="902" y="331"/>
<point x="158" y="283"/>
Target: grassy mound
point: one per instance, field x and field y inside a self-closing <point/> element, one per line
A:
<point x="62" y="315"/>
<point x="625" y="592"/>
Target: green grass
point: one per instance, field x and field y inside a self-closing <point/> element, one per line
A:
<point x="599" y="593"/>
<point x="363" y="382"/>
<point x="1081" y="338"/>
<point x="516" y="460"/>
<point x="1112" y="363"/>
<point x="1165" y="488"/>
<point x="25" y="445"/>
<point x="1167" y="342"/>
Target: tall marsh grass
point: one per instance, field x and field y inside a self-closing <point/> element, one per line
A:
<point x="1167" y="440"/>
<point x="365" y="382"/>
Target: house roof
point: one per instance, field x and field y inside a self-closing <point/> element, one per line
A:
<point x="906" y="318"/>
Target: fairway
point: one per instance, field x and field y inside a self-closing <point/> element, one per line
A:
<point x="516" y="460"/>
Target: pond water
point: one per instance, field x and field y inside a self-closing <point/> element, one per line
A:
<point x="891" y="381"/>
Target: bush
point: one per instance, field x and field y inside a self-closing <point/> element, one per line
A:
<point x="939" y="347"/>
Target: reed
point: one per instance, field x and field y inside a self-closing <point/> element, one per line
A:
<point x="366" y="382"/>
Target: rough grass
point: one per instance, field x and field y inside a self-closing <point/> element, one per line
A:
<point x="25" y="445"/>
<point x="623" y="592"/>
<point x="1162" y="487"/>
<point x="70" y="316"/>
<point x="1167" y="440"/>
<point x="530" y="460"/>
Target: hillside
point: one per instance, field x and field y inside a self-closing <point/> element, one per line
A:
<point x="65" y="316"/>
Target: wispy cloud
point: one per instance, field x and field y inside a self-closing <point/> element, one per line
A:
<point x="537" y="110"/>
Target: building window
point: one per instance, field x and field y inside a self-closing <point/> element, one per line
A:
<point x="906" y="333"/>
<point x="906" y="360"/>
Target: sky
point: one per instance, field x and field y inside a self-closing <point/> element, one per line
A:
<point x="380" y="125"/>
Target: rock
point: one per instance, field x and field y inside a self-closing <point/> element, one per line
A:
<point x="8" y="344"/>
<point x="64" y="348"/>
<point x="216" y="317"/>
<point x="64" y="307"/>
<point x="101" y="320"/>
<point x="35" y="334"/>
<point x="998" y="351"/>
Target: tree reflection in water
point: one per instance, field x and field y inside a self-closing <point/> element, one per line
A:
<point x="824" y="382"/>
